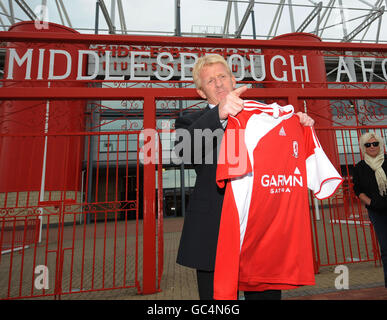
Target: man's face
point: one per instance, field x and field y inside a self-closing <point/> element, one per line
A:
<point x="216" y="83"/>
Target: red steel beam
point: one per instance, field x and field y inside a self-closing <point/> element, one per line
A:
<point x="15" y="36"/>
<point x="28" y="93"/>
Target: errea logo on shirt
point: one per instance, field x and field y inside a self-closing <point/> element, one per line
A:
<point x="282" y="183"/>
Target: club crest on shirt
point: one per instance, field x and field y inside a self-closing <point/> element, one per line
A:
<point x="295" y="149"/>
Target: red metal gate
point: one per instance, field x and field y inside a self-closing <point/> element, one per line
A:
<point x="60" y="242"/>
<point x="342" y="231"/>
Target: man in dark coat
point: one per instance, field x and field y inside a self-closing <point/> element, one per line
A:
<point x="215" y="83"/>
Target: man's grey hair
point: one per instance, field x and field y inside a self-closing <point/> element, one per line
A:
<point x="206" y="61"/>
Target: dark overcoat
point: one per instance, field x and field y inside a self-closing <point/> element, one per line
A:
<point x="201" y="222"/>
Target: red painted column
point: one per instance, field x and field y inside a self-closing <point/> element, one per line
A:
<point x="149" y="216"/>
<point x="293" y="100"/>
<point x="21" y="159"/>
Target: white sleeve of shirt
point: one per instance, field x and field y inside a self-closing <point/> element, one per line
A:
<point x="323" y="178"/>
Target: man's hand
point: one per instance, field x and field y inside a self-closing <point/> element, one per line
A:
<point x="231" y="104"/>
<point x="305" y="120"/>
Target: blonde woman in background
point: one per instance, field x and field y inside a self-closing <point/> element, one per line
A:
<point x="370" y="185"/>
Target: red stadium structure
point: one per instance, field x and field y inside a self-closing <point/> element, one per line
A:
<point x="34" y="116"/>
<point x="95" y="195"/>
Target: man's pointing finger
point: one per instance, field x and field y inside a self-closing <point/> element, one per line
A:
<point x="240" y="90"/>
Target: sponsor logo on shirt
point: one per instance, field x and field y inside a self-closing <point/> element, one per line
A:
<point x="282" y="183"/>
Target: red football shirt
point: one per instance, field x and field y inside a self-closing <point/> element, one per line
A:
<point x="269" y="160"/>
